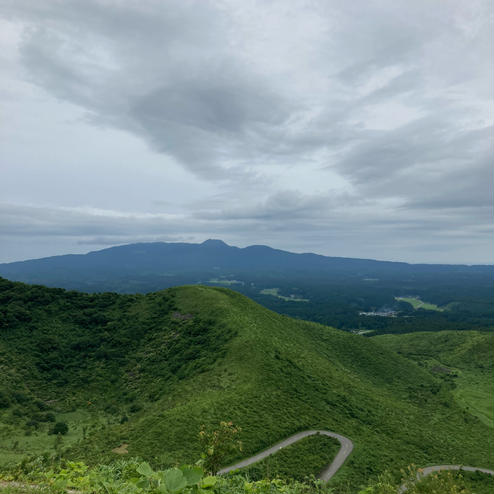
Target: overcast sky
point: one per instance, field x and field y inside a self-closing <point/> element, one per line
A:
<point x="347" y="128"/>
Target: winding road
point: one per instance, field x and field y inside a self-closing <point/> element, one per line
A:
<point x="344" y="452"/>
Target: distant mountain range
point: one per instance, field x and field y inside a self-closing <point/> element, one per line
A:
<point x="212" y="256"/>
<point x="332" y="290"/>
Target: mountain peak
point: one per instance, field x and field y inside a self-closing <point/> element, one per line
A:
<point x="213" y="242"/>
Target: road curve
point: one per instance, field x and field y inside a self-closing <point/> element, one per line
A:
<point x="345" y="450"/>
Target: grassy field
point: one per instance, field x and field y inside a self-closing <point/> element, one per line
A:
<point x="17" y="442"/>
<point x="275" y="293"/>
<point x="157" y="367"/>
<point x="416" y="303"/>
<point x="475" y="393"/>
<point x="465" y="358"/>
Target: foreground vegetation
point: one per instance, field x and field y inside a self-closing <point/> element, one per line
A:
<point x="138" y="375"/>
<point x="56" y="475"/>
<point x="137" y="477"/>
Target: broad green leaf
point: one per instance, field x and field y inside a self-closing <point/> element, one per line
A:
<point x="145" y="469"/>
<point x="208" y="482"/>
<point x="143" y="483"/>
<point x="174" y="480"/>
<point x="192" y="474"/>
<point x="162" y="489"/>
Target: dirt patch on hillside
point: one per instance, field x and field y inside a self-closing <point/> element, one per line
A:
<point x="121" y="450"/>
<point x="182" y="317"/>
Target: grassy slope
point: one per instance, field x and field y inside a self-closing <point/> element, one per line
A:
<point x="474" y="482"/>
<point x="468" y="354"/>
<point x="281" y="376"/>
<point x="233" y="360"/>
<point x="89" y="360"/>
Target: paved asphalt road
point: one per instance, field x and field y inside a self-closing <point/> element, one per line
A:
<point x="437" y="468"/>
<point x="326" y="474"/>
<point x="344" y="452"/>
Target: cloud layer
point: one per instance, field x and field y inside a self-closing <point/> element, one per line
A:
<point x="349" y="128"/>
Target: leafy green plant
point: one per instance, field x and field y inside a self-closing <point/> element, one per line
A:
<point x="170" y="481"/>
<point x="385" y="484"/>
<point x="133" y="476"/>
<point x="217" y="444"/>
<point x="72" y="475"/>
<point x="440" y="484"/>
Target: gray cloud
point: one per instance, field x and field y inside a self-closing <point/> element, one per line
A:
<point x="336" y="118"/>
<point x="181" y="89"/>
<point x="284" y="220"/>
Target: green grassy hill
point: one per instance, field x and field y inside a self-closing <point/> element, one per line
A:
<point x="465" y="359"/>
<point x="148" y="370"/>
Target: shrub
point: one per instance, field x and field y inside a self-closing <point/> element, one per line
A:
<point x="4" y="400"/>
<point x="218" y="444"/>
<point x="60" y="428"/>
<point x="20" y="397"/>
<point x="41" y="405"/>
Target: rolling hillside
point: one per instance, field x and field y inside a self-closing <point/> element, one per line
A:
<point x="465" y="359"/>
<point x="333" y="291"/>
<point x="148" y="370"/>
